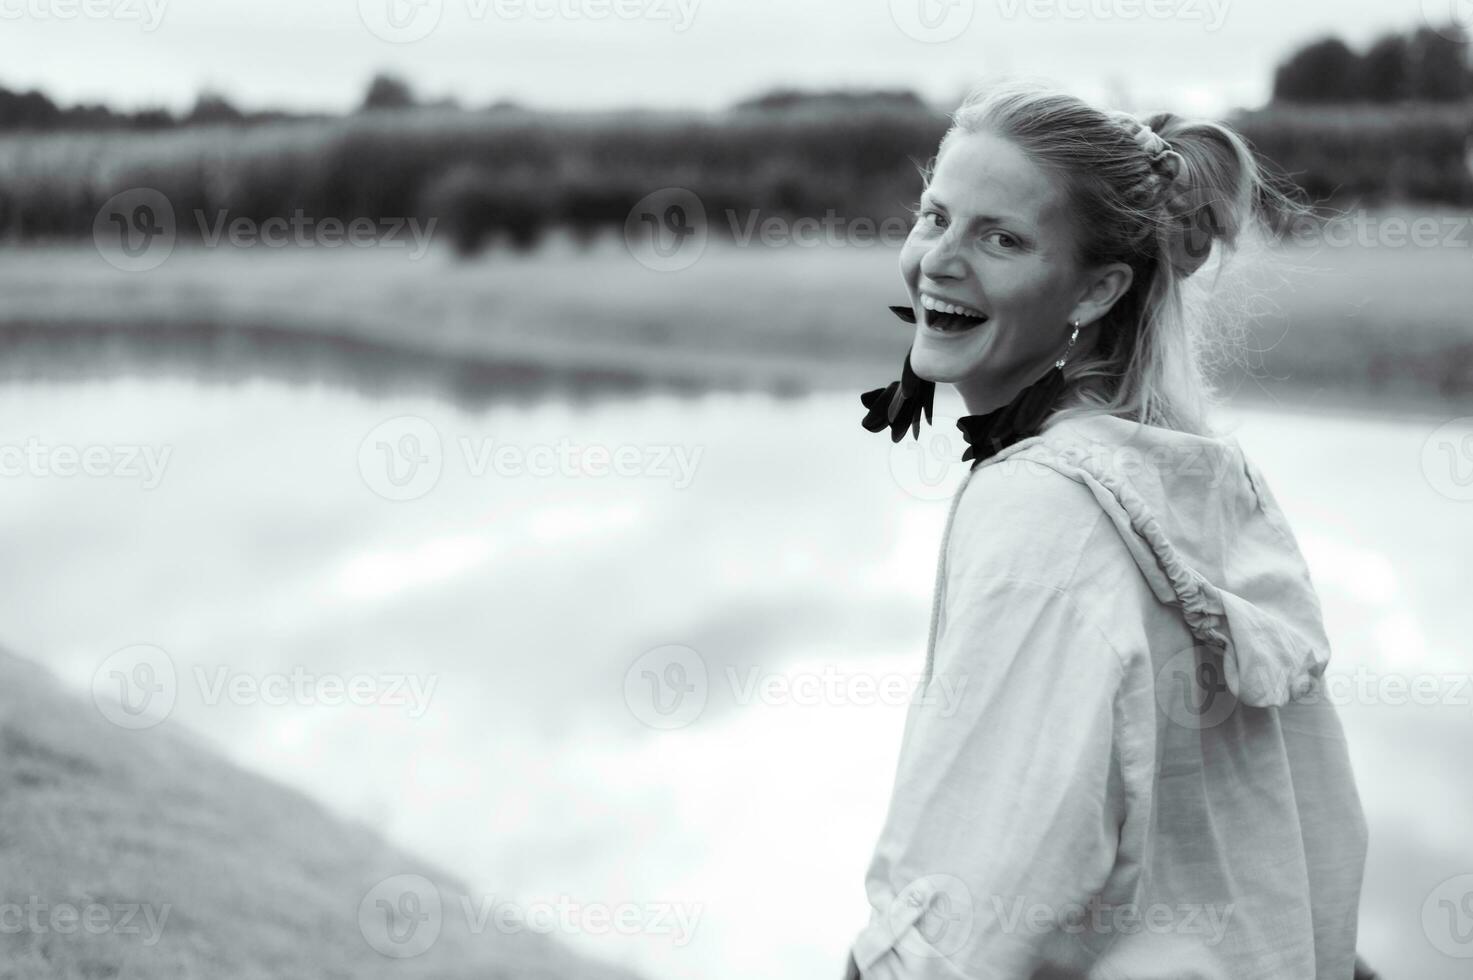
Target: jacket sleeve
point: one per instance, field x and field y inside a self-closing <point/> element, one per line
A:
<point x="1007" y="802"/>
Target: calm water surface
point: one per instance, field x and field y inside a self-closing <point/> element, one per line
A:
<point x="286" y="529"/>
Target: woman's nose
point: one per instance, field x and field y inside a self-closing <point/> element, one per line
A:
<point x="941" y="260"/>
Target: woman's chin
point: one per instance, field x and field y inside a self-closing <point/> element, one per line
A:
<point x="940" y="366"/>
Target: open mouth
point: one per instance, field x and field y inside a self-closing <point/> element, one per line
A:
<point x="950" y="317"/>
<point x="953" y="322"/>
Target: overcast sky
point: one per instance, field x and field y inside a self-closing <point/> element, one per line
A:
<point x="1202" y="55"/>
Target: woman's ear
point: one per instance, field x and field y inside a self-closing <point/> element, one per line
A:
<point x="1102" y="290"/>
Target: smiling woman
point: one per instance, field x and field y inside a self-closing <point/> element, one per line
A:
<point x="1048" y="229"/>
<point x="1142" y="778"/>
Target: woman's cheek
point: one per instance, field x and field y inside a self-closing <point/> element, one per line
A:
<point x="910" y="259"/>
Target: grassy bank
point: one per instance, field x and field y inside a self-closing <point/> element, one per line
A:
<point x="218" y="873"/>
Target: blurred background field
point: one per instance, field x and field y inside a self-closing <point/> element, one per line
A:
<point x="510" y="294"/>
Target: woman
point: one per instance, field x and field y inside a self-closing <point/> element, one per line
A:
<point x="1143" y="778"/>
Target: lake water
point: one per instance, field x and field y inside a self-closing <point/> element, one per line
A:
<point x="257" y="530"/>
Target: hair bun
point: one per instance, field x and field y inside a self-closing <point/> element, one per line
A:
<point x="1195" y="218"/>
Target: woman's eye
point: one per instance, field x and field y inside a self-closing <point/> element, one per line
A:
<point x="933" y="218"/>
<point x="1004" y="240"/>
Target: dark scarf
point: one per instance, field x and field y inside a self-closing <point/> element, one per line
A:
<point x="899" y="406"/>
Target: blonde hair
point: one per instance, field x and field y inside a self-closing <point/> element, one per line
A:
<point x="1163" y="214"/>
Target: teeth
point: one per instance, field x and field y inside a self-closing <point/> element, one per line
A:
<point x="952" y="309"/>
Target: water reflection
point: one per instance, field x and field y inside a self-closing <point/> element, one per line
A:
<point x="520" y="592"/>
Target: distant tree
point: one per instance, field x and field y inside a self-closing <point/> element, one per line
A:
<point x="1384" y="70"/>
<point x="153" y="119"/>
<point x="1324" y="71"/>
<point x="388" y="92"/>
<point x="27" y="110"/>
<point x="212" y="107"/>
<point x="1437" y="66"/>
<point x="788" y="98"/>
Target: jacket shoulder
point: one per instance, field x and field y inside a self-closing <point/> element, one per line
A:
<point x="1023" y="518"/>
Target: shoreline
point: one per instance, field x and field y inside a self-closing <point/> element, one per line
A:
<point x="501" y="369"/>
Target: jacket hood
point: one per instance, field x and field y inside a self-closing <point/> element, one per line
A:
<point x="1208" y="536"/>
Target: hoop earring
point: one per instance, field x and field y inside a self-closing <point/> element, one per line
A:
<point x="1072" y="337"/>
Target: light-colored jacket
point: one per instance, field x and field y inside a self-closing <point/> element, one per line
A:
<point x="1124" y="764"/>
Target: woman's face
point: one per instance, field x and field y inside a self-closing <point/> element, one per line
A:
<point x="994" y="242"/>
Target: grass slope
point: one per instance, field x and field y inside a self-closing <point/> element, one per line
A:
<point x="243" y="878"/>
